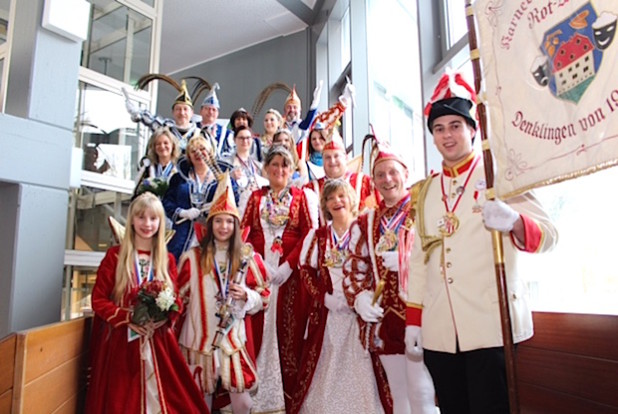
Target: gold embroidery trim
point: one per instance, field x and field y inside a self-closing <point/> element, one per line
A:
<point x="428" y="243"/>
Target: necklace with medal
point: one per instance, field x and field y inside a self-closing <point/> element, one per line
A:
<point x="248" y="169"/>
<point x="276" y="213"/>
<point x="222" y="271"/>
<point x="336" y="255"/>
<point x="389" y="228"/>
<point x="449" y="223"/>
<point x="143" y="269"/>
<point x="197" y="190"/>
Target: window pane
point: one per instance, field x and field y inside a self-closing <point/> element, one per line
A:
<point x="112" y="143"/>
<point x="396" y="110"/>
<point x="579" y="274"/>
<point x="119" y="42"/>
<point x="345" y="39"/>
<point x="81" y="284"/>
<point x="455" y="21"/>
<point x="93" y="206"/>
<point x="4" y="19"/>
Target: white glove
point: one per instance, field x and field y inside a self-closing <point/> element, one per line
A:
<point x="131" y="108"/>
<point x="364" y="308"/>
<point x="238" y="310"/>
<point x="280" y="275"/>
<point x="335" y="303"/>
<point x="497" y="215"/>
<point x="414" y="340"/>
<point x="189" y="214"/>
<point x="316" y="95"/>
<point x="347" y="98"/>
<point x="390" y="260"/>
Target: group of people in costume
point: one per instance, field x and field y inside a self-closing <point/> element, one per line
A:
<point x="344" y="293"/>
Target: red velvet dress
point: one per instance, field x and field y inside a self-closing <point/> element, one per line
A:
<point x="118" y="383"/>
<point x="291" y="309"/>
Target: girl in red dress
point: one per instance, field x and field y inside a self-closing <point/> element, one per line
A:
<point x="138" y="368"/>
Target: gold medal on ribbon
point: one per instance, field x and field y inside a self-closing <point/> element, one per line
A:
<point x="334" y="258"/>
<point x="449" y="224"/>
<point x="408" y="223"/>
<point x="387" y="242"/>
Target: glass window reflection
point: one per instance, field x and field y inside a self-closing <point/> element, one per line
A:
<point x="119" y="42"/>
<point x="112" y="143"/>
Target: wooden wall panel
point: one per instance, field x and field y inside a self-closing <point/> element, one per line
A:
<point x="592" y="335"/>
<point x="50" y="391"/>
<point x="52" y="345"/>
<point x="537" y="400"/>
<point x="7" y="362"/>
<point x="580" y="376"/>
<point x="50" y="368"/>
<point x="570" y="365"/>
<point x="71" y="406"/>
<point x="6" y="402"/>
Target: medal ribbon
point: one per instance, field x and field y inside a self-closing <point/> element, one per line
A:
<point x="444" y="195"/>
<point x="396" y="220"/>
<point x="139" y="277"/>
<point x="248" y="168"/>
<point x="164" y="172"/>
<point x="224" y="288"/>
<point x="339" y="243"/>
<point x="196" y="186"/>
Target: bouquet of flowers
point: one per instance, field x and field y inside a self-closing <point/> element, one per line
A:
<point x="154" y="302"/>
<point x="157" y="186"/>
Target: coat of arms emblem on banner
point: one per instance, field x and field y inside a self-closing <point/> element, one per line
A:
<point x="573" y="52"/>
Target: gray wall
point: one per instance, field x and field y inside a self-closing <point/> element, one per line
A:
<point x="36" y="141"/>
<point x="244" y="74"/>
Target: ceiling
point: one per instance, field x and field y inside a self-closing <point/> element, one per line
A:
<point x="196" y="31"/>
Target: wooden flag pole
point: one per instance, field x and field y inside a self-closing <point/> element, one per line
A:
<point x="498" y="250"/>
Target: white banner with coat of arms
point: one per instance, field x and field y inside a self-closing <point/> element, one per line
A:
<point x="551" y="88"/>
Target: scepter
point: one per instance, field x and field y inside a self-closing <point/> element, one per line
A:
<point x="496" y="237"/>
<point x="226" y="318"/>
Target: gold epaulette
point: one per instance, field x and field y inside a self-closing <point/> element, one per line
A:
<point x="428" y="243"/>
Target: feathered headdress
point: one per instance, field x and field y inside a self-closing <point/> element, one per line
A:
<point x="380" y="151"/>
<point x="452" y="96"/>
<point x="334" y="141"/>
<point x="265" y="94"/>
<point x="330" y="118"/>
<point x="183" y="94"/>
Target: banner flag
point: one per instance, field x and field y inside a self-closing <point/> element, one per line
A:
<point x="551" y="88"/>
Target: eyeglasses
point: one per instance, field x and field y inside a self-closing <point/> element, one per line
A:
<point x="243" y="138"/>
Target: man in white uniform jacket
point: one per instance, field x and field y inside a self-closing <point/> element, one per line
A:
<point x="452" y="287"/>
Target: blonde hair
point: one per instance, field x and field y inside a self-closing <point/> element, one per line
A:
<point x="291" y="144"/>
<point x="152" y="154"/>
<point x="333" y="185"/>
<point x="277" y="115"/>
<point x="195" y="142"/>
<point x="125" y="280"/>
